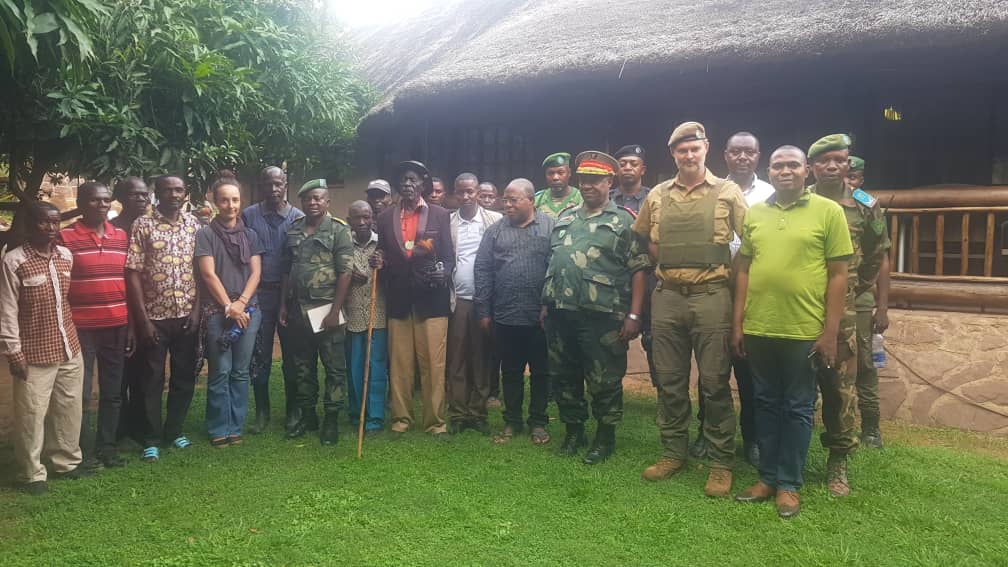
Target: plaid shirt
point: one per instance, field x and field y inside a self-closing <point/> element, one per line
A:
<point x="36" y="326"/>
<point x="162" y="251"/>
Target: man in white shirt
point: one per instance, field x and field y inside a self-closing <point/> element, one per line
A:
<point x="468" y="370"/>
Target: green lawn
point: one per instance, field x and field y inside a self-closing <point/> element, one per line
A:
<point x="419" y="501"/>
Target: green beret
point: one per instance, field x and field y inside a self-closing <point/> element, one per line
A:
<point x="556" y="160"/>
<point x="313" y="184"/>
<point x="856" y="164"/>
<point x="829" y="143"/>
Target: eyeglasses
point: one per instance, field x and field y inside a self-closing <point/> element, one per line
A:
<point x="512" y="200"/>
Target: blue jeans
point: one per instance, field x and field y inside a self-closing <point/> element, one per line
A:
<point x="228" y="376"/>
<point x="784" y="387"/>
<point x="356" y="350"/>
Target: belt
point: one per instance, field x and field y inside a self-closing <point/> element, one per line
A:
<point x="695" y="289"/>
<point x="269" y="285"/>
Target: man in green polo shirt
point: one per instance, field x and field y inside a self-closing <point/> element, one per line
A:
<point x="790" y="292"/>
<point x="560" y="195"/>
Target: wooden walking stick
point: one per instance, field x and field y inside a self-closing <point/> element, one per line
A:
<point x="367" y="363"/>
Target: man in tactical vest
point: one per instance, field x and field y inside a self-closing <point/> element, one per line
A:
<point x="689" y="221"/>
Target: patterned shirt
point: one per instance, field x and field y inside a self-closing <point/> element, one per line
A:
<point x="510" y="270"/>
<point x="98" y="279"/>
<point x="36" y="326"/>
<point x="358" y="301"/>
<point x="162" y="251"/>
<point x="271" y="228"/>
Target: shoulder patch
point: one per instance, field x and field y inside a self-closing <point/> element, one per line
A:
<point x="864" y="198"/>
<point x="633" y="215"/>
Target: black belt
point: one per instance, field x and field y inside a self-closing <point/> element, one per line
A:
<point x="696" y="289"/>
<point x="269" y="285"/>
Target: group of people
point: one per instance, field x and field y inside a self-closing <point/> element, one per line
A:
<point x="459" y="287"/>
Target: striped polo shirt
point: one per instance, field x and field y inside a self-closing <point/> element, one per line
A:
<point x="97" y="281"/>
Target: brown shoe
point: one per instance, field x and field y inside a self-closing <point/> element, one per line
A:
<point x="759" y="492"/>
<point x="663" y="469"/>
<point x="788" y="504"/>
<point x="718" y="483"/>
<point x="836" y="475"/>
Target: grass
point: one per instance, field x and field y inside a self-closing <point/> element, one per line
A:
<point x="420" y="501"/>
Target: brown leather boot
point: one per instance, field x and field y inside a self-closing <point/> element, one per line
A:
<point x="836" y="475"/>
<point x="788" y="504"/>
<point x="718" y="483"/>
<point x="759" y="492"/>
<point x="663" y="469"/>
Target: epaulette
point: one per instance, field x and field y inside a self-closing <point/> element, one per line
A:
<point x="341" y="221"/>
<point x="864" y="198"/>
<point x="627" y="209"/>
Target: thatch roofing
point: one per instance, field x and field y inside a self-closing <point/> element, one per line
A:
<point x="489" y="43"/>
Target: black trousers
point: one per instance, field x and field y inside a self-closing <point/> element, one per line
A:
<point x="181" y="345"/>
<point x="747" y="401"/>
<point x="518" y="346"/>
<point x="108" y="347"/>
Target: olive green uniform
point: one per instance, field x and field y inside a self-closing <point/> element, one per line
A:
<point x="587" y="291"/>
<point x="316" y="262"/>
<point x="544" y="202"/>
<point x="867" y="375"/>
<point x="838" y="385"/>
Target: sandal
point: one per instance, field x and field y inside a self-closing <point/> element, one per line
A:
<point x="219" y="442"/>
<point x="540" y="436"/>
<point x="151" y="455"/>
<point x="504" y="436"/>
<point x="182" y="442"/>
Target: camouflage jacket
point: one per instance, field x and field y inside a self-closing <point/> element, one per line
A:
<point x="316" y="261"/>
<point x="592" y="259"/>
<point x="870" y="238"/>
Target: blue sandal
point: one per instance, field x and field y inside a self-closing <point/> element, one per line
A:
<point x="182" y="442"/>
<point x="151" y="454"/>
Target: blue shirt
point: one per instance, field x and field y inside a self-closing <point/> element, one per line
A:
<point x="271" y="228"/>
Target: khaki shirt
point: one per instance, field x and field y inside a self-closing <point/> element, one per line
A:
<point x="729" y="216"/>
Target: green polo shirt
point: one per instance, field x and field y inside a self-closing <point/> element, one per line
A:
<point x="789" y="247"/>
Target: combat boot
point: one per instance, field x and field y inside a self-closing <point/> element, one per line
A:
<point x="292" y="420"/>
<point x="719" y="483"/>
<point x="330" y="429"/>
<point x="871" y="436"/>
<point x="699" y="448"/>
<point x="574" y="441"/>
<point x="788" y="504"/>
<point x="663" y="469"/>
<point x="604" y="445"/>
<point x="759" y="492"/>
<point x="836" y="475"/>
<point x="308" y="422"/>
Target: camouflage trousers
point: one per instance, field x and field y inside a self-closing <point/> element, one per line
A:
<point x="582" y="348"/>
<point x="839" y="391"/>
<point x="301" y="353"/>
<point x="867" y="374"/>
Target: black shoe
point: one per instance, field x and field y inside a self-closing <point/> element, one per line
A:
<point x="751" y="451"/>
<point x="37" y="488"/>
<point x="308" y="422"/>
<point x="481" y="426"/>
<point x="330" y="430"/>
<point x="456" y="427"/>
<point x="872" y="439"/>
<point x="603" y="447"/>
<point x="293" y="418"/>
<point x="92" y="464"/>
<point x="112" y="460"/>
<point x="573" y="442"/>
<point x="75" y="474"/>
<point x="699" y="448"/>
<point x="261" y="422"/>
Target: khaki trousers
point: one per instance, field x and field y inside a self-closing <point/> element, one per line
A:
<point x="468" y="368"/>
<point x="416" y="343"/>
<point x="47" y="418"/>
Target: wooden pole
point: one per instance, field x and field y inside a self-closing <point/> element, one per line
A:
<point x="964" y="246"/>
<point x="989" y="246"/>
<point x="367" y="363"/>
<point x="939" y="245"/>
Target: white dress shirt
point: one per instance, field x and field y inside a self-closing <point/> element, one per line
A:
<point x="758" y="192"/>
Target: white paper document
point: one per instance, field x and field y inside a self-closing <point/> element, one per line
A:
<point x="317" y="314"/>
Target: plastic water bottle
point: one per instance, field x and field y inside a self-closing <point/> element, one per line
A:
<point x="878" y="350"/>
<point x="232" y="335"/>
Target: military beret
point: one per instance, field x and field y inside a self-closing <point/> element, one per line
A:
<point x="313" y="184"/>
<point x="380" y="185"/>
<point x="595" y="163"/>
<point x="687" y="132"/>
<point x="632" y="150"/>
<point x="556" y="160"/>
<point x="856" y="164"/>
<point x="829" y="143"/>
<point x="416" y="167"/>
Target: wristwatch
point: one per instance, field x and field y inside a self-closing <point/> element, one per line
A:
<point x="633" y="317"/>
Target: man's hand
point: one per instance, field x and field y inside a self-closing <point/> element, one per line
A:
<point x="358" y="278"/>
<point x="826" y="346"/>
<point x="130" y="341"/>
<point x="191" y="323"/>
<point x="147" y="333"/>
<point x="331" y="321"/>
<point x="542" y="317"/>
<point x="738" y="342"/>
<point x="486" y="324"/>
<point x="630" y="329"/>
<point x="282" y="314"/>
<point x="18" y="368"/>
<point x="881" y="320"/>
<point x="377" y="260"/>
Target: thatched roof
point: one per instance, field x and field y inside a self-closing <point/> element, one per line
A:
<point x="474" y="45"/>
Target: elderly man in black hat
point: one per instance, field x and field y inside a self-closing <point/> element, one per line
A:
<point x="417" y="257"/>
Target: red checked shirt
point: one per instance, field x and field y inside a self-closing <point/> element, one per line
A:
<point x="35" y="321"/>
<point x="98" y="281"/>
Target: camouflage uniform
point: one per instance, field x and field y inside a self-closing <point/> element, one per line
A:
<point x="587" y="291"/>
<point x="838" y="385"/>
<point x="867" y="375"/>
<point x="316" y="262"/>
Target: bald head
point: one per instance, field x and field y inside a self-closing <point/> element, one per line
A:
<point x="519" y="206"/>
<point x="272" y="187"/>
<point x="524" y="185"/>
<point x="359" y="207"/>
